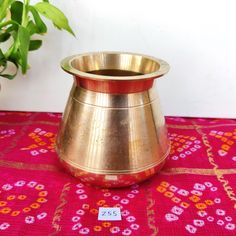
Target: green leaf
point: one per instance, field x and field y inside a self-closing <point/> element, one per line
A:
<point x="32" y="28"/>
<point x="9" y="76"/>
<point x="42" y="28"/>
<point x="4" y="5"/>
<point x="11" y="28"/>
<point x="55" y="15"/>
<point x="14" y="57"/>
<point x="16" y="11"/>
<point x="3" y="64"/>
<point x="24" y="40"/>
<point x="35" y="44"/>
<point x="4" y="37"/>
<point x="10" y="22"/>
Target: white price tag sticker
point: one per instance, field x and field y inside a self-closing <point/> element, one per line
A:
<point x="109" y="213"/>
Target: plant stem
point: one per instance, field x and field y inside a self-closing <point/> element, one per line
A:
<point x="24" y="21"/>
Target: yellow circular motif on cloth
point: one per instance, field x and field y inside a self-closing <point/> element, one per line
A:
<point x="85" y="206"/>
<point x="209" y="202"/>
<point x="97" y="228"/>
<point x="43" y="194"/>
<point x="201" y="206"/>
<point x="22" y="197"/>
<point x="161" y="189"/>
<point x="101" y="202"/>
<point x="194" y="198"/>
<point x="184" y="204"/>
<point x="176" y="199"/>
<point x="11" y="197"/>
<point x="106" y="224"/>
<point x="26" y="209"/>
<point x="42" y="144"/>
<point x="39" y="187"/>
<point x="35" y="205"/>
<point x="15" y="213"/>
<point x="41" y="200"/>
<point x="168" y="194"/>
<point x="94" y="211"/>
<point x="165" y="184"/>
<point x="5" y="210"/>
<point x="3" y="203"/>
<point x="49" y="134"/>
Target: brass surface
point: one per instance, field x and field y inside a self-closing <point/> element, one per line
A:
<point x="113" y="140"/>
<point x="147" y="67"/>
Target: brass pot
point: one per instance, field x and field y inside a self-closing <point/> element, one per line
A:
<point x="112" y="133"/>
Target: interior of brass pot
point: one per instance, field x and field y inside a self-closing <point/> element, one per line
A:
<point x="117" y="64"/>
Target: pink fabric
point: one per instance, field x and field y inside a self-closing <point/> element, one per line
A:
<point x="195" y="193"/>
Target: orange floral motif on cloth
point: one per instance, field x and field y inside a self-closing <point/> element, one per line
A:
<point x="42" y="142"/>
<point x="194" y="194"/>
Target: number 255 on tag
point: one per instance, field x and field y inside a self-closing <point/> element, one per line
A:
<point x="109" y="213"/>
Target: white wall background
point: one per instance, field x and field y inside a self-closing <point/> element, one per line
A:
<point x="197" y="38"/>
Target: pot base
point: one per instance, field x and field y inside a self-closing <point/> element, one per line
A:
<point x="112" y="180"/>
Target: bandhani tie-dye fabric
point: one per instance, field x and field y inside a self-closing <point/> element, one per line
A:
<point x="195" y="193"/>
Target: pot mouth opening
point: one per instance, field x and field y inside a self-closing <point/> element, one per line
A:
<point x="115" y="66"/>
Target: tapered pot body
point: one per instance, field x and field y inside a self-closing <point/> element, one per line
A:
<point x="113" y="133"/>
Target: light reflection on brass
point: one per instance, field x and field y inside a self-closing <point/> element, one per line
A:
<point x="109" y="137"/>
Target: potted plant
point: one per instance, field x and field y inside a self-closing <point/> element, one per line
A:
<point x="19" y="21"/>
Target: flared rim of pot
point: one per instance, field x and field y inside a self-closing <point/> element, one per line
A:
<point x="113" y="65"/>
